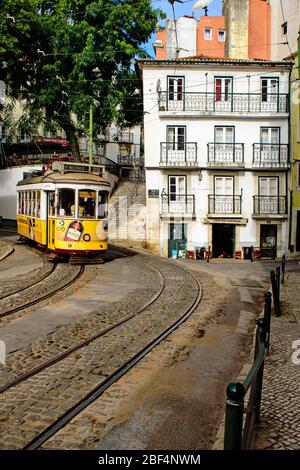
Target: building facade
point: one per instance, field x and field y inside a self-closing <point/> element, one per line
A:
<point x="195" y="37"/>
<point x="248" y="29"/>
<point x="295" y="134"/>
<point x="217" y="154"/>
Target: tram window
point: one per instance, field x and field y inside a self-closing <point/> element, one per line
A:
<point x="66" y="202"/>
<point x="37" y="209"/>
<point x="102" y="204"/>
<point x="32" y="203"/>
<point x="86" y="203"/>
<point x="21" y="203"/>
<point x="26" y="202"/>
<point x="51" y="204"/>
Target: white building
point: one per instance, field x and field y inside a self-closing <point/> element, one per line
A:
<point x="216" y="154"/>
<point x="285" y="27"/>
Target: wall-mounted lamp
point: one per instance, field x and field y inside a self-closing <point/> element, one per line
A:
<point x="200" y="175"/>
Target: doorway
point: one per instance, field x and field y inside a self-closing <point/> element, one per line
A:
<point x="177" y="239"/>
<point x="268" y="240"/>
<point x="223" y="240"/>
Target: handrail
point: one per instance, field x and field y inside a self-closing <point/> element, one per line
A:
<point x="238" y="434"/>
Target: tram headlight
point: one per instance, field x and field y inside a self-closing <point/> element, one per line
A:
<point x="86" y="237"/>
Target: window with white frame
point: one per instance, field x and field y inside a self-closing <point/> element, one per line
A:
<point x="224" y="186"/>
<point x="269" y="89"/>
<point x="270" y="135"/>
<point x="176" y="138"/>
<point x="268" y="186"/>
<point x="221" y="35"/>
<point x="175" y="88"/>
<point x="224" y="135"/>
<point x="207" y="34"/>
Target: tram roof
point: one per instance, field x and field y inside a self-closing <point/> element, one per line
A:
<point x="68" y="177"/>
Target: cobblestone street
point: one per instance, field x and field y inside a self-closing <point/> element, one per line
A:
<point x="280" y="418"/>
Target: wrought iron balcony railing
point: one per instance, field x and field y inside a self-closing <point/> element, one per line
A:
<point x="178" y="204"/>
<point x="225" y="102"/>
<point x="268" y="205"/>
<point x="129" y="160"/>
<point x="125" y="137"/>
<point x="223" y="204"/>
<point x="271" y="155"/>
<point x="225" y="154"/>
<point x="179" y="154"/>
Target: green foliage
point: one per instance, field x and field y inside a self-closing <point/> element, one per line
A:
<point x="62" y="55"/>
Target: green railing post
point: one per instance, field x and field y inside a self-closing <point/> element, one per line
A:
<point x="262" y="331"/>
<point x="275" y="292"/>
<point x="278" y="287"/>
<point x="234" y="416"/>
<point x="267" y="317"/>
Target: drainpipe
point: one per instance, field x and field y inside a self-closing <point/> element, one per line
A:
<point x="291" y="163"/>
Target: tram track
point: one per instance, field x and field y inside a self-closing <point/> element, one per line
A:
<point x="42" y="367"/>
<point x="18" y="291"/>
<point x="42" y="298"/>
<point x="96" y="392"/>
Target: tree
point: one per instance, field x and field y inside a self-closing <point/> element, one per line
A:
<point x="61" y="56"/>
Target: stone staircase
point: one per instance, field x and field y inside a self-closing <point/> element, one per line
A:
<point x="127" y="211"/>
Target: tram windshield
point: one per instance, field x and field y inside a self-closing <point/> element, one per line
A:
<point x="102" y="204"/>
<point x="66" y="202"/>
<point x="86" y="203"/>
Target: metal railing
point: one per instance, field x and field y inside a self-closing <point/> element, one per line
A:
<point x="124" y="137"/>
<point x="277" y="278"/>
<point x="224" y="102"/>
<point x="178" y="203"/>
<point x="223" y="204"/>
<point x="178" y="154"/>
<point x="239" y="431"/>
<point x="225" y="154"/>
<point x="129" y="160"/>
<point x="270" y="205"/>
<point x="270" y="155"/>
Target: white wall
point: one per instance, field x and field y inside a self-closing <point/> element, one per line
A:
<point x="291" y="10"/>
<point x="9" y="177"/>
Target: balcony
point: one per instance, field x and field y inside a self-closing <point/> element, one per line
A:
<point x="180" y="204"/>
<point x="225" y="103"/>
<point x="224" y="205"/>
<point x="271" y="156"/>
<point x="225" y="155"/>
<point x="269" y="205"/>
<point x="178" y="154"/>
<point x="124" y="137"/>
<point x="129" y="160"/>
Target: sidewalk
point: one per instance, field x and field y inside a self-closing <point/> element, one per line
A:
<point x="280" y="415"/>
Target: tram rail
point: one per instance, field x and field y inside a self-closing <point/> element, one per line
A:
<point x="36" y="301"/>
<point x="96" y="392"/>
<point x="18" y="291"/>
<point x="42" y="367"/>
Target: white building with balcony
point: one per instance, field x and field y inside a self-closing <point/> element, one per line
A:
<point x="217" y="158"/>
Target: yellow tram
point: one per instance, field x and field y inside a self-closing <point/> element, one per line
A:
<point x="65" y="209"/>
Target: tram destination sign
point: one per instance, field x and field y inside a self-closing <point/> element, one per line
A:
<point x="78" y="167"/>
<point x="153" y="193"/>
